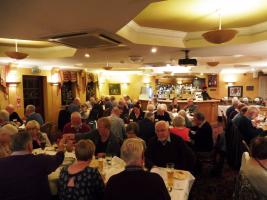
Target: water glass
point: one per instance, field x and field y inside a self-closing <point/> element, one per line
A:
<point x="170" y="174"/>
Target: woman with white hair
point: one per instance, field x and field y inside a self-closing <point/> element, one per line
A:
<point x="6" y="134"/>
<point x="188" y="123"/>
<point x="39" y="139"/>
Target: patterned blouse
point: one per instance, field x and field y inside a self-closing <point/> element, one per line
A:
<point x="88" y="185"/>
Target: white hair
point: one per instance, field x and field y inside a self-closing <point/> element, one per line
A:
<point x="30" y="108"/>
<point x="150" y="107"/>
<point x="8" y="128"/>
<point x="235" y="101"/>
<point x="132" y="151"/>
<point x="75" y="114"/>
<point x="4" y="115"/>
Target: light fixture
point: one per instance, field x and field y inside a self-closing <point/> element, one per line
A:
<point x="221" y="35"/>
<point x="87" y="55"/>
<point x="154" y="50"/>
<point x="16" y="54"/>
<point x="212" y="63"/>
<point x="107" y="67"/>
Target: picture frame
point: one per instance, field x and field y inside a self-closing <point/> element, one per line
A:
<point x="250" y="88"/>
<point x="114" y="89"/>
<point x="235" y="91"/>
<point x="212" y="80"/>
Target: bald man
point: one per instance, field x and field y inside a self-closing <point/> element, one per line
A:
<point x="168" y="148"/>
<point x="117" y="124"/>
<point x="76" y="125"/>
<point x="13" y="116"/>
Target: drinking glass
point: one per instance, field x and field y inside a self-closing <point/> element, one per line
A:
<point x="170" y="175"/>
<point x="42" y="145"/>
<point x="108" y="159"/>
<point x="100" y="165"/>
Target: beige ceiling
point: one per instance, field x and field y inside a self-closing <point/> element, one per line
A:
<point x="201" y="15"/>
<point x="37" y="20"/>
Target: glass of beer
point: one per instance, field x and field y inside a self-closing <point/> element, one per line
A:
<point x="100" y="165"/>
<point x="170" y="175"/>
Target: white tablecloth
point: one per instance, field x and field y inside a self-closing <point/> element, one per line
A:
<point x="180" y="190"/>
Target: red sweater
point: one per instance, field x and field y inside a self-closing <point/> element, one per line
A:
<point x="182" y="132"/>
<point x="83" y="129"/>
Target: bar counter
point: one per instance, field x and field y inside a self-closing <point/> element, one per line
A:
<point x="208" y="107"/>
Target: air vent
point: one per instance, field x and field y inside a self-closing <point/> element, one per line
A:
<point x="86" y="40"/>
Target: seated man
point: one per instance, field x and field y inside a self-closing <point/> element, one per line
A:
<point x="105" y="141"/>
<point x="76" y="125"/>
<point x="13" y="115"/>
<point x="24" y="175"/>
<point x="147" y="127"/>
<point x="134" y="183"/>
<point x="202" y="138"/>
<point x="232" y="108"/>
<point x="168" y="148"/>
<point x="162" y="114"/>
<point x="190" y="106"/>
<point x="7" y="132"/>
<point x="136" y="114"/>
<point x="75" y="105"/>
<point x="246" y="127"/>
<point x="32" y="115"/>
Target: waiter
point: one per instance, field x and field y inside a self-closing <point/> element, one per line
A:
<point x="205" y="94"/>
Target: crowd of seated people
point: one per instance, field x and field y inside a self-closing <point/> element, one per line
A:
<point x="143" y="139"/>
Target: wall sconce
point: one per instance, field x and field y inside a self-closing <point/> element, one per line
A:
<point x="55" y="79"/>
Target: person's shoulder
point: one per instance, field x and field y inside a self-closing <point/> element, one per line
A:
<point x="176" y="138"/>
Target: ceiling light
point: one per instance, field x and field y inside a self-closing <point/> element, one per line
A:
<point x="253" y="69"/>
<point x="15" y="54"/>
<point x="154" y="50"/>
<point x="238" y="55"/>
<point x="87" y="55"/>
<point x="201" y="74"/>
<point x="221" y="35"/>
<point x="212" y="63"/>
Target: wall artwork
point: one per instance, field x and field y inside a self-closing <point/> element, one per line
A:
<point x="235" y="91"/>
<point x="114" y="89"/>
<point x="212" y="80"/>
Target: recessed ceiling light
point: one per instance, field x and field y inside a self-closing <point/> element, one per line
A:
<point x="201" y="74"/>
<point x="87" y="55"/>
<point x="238" y="55"/>
<point x="253" y="69"/>
<point x="154" y="50"/>
<point x="168" y="65"/>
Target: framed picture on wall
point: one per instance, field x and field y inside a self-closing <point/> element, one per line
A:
<point x="235" y="91"/>
<point x="212" y="80"/>
<point x="114" y="89"/>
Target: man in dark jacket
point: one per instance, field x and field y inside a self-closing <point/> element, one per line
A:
<point x="134" y="183"/>
<point x="168" y="148"/>
<point x="201" y="134"/>
<point x="147" y="127"/>
<point x="24" y="176"/>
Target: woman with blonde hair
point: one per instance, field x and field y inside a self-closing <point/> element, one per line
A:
<point x="39" y="139"/>
<point x="79" y="181"/>
<point x="180" y="129"/>
<point x="6" y="134"/>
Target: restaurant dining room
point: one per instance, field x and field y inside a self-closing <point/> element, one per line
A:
<point x="133" y="100"/>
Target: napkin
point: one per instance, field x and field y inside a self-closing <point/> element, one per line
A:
<point x="117" y="162"/>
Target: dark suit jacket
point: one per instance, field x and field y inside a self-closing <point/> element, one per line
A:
<point x="15" y="116"/>
<point x="136" y="184"/>
<point x="146" y="129"/>
<point x="203" y="141"/>
<point x="176" y="151"/>
<point x="247" y="130"/>
<point x="24" y="177"/>
<point x="37" y="117"/>
<point x="229" y="111"/>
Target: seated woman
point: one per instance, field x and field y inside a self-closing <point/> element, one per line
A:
<point x="84" y="112"/>
<point x="39" y="139"/>
<point x="136" y="114"/>
<point x="180" y="129"/>
<point x="255" y="167"/>
<point x="188" y="123"/>
<point x="79" y="181"/>
<point x="6" y="134"/>
<point x="174" y="106"/>
<point x="132" y="131"/>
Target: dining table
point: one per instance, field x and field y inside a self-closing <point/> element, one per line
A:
<point x="115" y="165"/>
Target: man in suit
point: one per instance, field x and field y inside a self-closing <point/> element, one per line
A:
<point x="23" y="175"/>
<point x="147" y="127"/>
<point x="247" y="124"/>
<point x="117" y="124"/>
<point x="134" y="183"/>
<point x="168" y="148"/>
<point x="232" y="108"/>
<point x="202" y="135"/>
